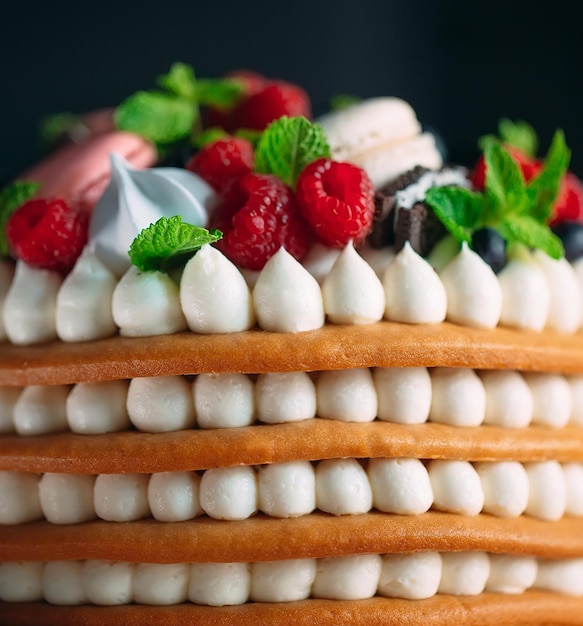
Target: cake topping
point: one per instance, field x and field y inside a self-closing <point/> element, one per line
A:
<point x="48" y="234"/>
<point x="83" y="308"/>
<point x="169" y="114"/>
<point x="474" y="297"/>
<point x="521" y="142"/>
<point x="11" y="198"/>
<point x="337" y="200"/>
<point x="286" y="297"/>
<point x="214" y="295"/>
<point x="517" y="209"/>
<point x="353" y="293"/>
<point x="414" y="293"/>
<point x="30" y="305"/>
<point x="147" y="303"/>
<point x="223" y="161"/>
<point x="135" y="199"/>
<point x="261" y="217"/>
<point x="525" y="291"/>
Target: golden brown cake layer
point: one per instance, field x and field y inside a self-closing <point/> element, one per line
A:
<point x="533" y="608"/>
<point x="263" y="538"/>
<point x="384" y="344"/>
<point x="314" y="439"/>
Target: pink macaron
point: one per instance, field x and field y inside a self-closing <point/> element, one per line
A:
<point x="79" y="172"/>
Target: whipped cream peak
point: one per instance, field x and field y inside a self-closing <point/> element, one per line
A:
<point x="414" y="292"/>
<point x="474" y="296"/>
<point x="214" y="295"/>
<point x="287" y="298"/>
<point x="353" y="293"/>
<point x="135" y="198"/>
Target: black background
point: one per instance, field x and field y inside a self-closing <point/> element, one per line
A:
<point x="462" y="65"/>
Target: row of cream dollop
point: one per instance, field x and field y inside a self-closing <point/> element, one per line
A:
<point x="411" y="576"/>
<point x="545" y="490"/>
<point x="532" y="292"/>
<point x="413" y="395"/>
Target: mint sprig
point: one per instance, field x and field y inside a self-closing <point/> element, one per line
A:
<point x="518" y="134"/>
<point x="287" y="145"/>
<point x="11" y="198"/>
<point x="517" y="209"/>
<point x="172" y="113"/>
<point x="168" y="244"/>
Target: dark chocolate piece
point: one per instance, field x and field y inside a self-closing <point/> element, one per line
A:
<point x="420" y="226"/>
<point x="383" y="233"/>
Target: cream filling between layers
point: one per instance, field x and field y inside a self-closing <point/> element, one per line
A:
<point x="410" y="576"/>
<point x="545" y="490"/>
<point x="411" y="395"/>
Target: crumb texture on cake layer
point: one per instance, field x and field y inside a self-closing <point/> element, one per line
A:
<point x="319" y="439"/>
<point x="261" y="538"/>
<point x="384" y="344"/>
<point x="532" y="608"/>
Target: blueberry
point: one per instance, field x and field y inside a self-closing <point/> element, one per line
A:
<point x="571" y="234"/>
<point x="489" y="244"/>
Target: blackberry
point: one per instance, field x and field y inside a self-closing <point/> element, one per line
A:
<point x="571" y="234"/>
<point x="488" y="243"/>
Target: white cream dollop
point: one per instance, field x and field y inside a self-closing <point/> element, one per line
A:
<point x="411" y="576"/>
<point x="30" y="305"/>
<point x="565" y="293"/>
<point x="474" y="297"/>
<point x="347" y="395"/>
<point x="342" y="487"/>
<point x="134" y="199"/>
<point x="509" y="401"/>
<point x="6" y="276"/>
<point x="214" y="295"/>
<point x="404" y="394"/>
<point x="414" y="292"/>
<point x="84" y="301"/>
<point x="353" y="293"/>
<point x="147" y="303"/>
<point x="525" y="291"/>
<point x="286" y="297"/>
<point x="219" y="584"/>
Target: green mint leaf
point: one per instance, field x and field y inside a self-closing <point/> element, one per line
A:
<point x="169" y="243"/>
<point x="221" y="93"/>
<point x="54" y="127"/>
<point x="459" y="210"/>
<point x="505" y="188"/>
<point x="159" y="117"/>
<point x="544" y="188"/>
<point x="11" y="198"/>
<point x="519" y="135"/>
<point x="180" y="81"/>
<point x="342" y="101"/>
<point x="287" y="145"/>
<point x="527" y="230"/>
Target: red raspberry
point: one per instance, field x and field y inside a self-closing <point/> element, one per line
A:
<point x="223" y="161"/>
<point x="276" y="99"/>
<point x="251" y="83"/>
<point x="569" y="203"/>
<point x="260" y="219"/>
<point x="337" y="200"/>
<point x="47" y="234"/>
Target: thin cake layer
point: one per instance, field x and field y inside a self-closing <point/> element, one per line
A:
<point x="528" y="609"/>
<point x="384" y="344"/>
<point x="254" y="445"/>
